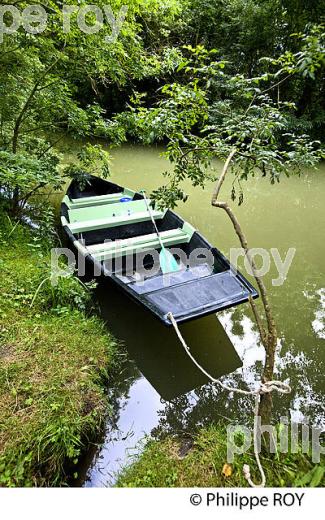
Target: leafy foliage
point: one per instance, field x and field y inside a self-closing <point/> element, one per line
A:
<point x="93" y="160"/>
<point x="54" y="81"/>
<point x="212" y="113"/>
<point x="22" y="174"/>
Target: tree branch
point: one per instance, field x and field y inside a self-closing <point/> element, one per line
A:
<point x="220" y="182"/>
<point x="267" y="308"/>
<point x="276" y="84"/>
<point x="27" y="103"/>
<point x="51" y="146"/>
<point x="268" y="339"/>
<point x="29" y="194"/>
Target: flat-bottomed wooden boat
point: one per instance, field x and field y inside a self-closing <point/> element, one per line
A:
<point x="111" y="228"/>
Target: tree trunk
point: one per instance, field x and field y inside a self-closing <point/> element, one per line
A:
<point x="266" y="403"/>
<point x="269" y="335"/>
<point x="14" y="205"/>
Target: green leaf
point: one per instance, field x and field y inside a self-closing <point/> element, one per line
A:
<point x="318" y="475"/>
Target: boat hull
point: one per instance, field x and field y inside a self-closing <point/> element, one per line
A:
<point x="109" y="239"/>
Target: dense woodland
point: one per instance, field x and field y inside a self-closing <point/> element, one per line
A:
<point x="176" y="67"/>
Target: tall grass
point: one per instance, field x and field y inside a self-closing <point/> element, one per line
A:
<point x="55" y="359"/>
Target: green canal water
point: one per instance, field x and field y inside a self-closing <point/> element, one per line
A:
<point x="159" y="391"/>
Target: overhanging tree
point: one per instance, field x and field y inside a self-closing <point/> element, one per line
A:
<point x="245" y="128"/>
<point x="43" y="81"/>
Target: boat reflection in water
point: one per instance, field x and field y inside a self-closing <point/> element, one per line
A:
<point x="157" y="370"/>
<point x="157" y="351"/>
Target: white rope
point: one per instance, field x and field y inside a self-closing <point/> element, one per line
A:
<point x="265" y="388"/>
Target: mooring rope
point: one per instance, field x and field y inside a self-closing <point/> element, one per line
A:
<point x="265" y="388"/>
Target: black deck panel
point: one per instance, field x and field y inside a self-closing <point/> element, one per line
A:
<point x="157" y="283"/>
<point x="189" y="297"/>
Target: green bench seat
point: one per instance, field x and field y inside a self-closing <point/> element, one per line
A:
<point x="138" y="244"/>
<point x="120" y="209"/>
<point x="98" y="200"/>
<point x="102" y="223"/>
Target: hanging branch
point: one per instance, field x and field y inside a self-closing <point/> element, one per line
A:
<point x="269" y="337"/>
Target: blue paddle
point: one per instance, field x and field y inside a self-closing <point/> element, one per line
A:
<point x="167" y="262"/>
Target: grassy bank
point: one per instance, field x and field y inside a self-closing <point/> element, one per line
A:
<point x="163" y="464"/>
<point x="54" y="361"/>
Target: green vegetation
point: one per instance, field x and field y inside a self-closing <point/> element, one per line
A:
<point x="211" y="112"/>
<point x="55" y="361"/>
<point x="203" y="76"/>
<point x="47" y="85"/>
<point x="164" y="465"/>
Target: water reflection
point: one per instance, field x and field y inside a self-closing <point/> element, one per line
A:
<point x="161" y="392"/>
<point x="157" y="350"/>
<point x="319" y="322"/>
<point x="158" y="376"/>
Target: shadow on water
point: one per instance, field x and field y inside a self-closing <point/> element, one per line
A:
<point x="156" y="349"/>
<point x="157" y="376"/>
<point x="159" y="391"/>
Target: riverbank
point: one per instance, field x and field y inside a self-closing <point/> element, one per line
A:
<point x="200" y="461"/>
<point x="55" y="360"/>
